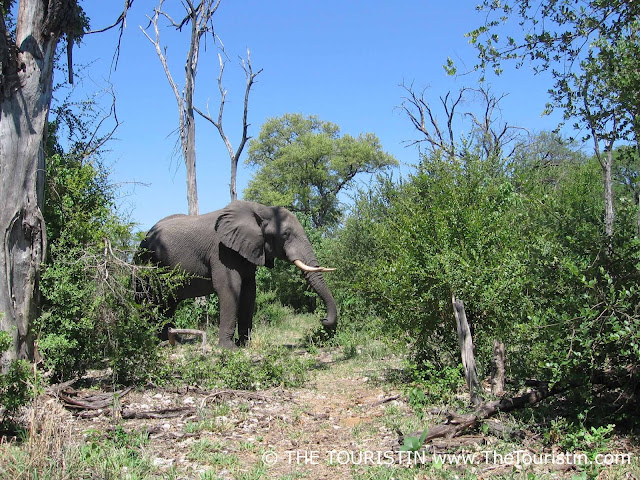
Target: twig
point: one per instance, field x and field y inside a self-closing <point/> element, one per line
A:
<point x="233" y="393"/>
<point x="162" y="413"/>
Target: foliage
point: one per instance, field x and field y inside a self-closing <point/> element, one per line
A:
<point x="119" y="451"/>
<point x="88" y="310"/>
<point x="238" y="370"/>
<point x="269" y="310"/>
<point x="522" y="244"/>
<point x="444" y="231"/>
<point x="418" y="401"/>
<point x="192" y="313"/>
<point x="573" y="437"/>
<point x="305" y="163"/>
<point x="590" y="47"/>
<point x="15" y="384"/>
<point x="553" y="31"/>
<point x="413" y="444"/>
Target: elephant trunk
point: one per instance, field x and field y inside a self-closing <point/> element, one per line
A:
<point x="317" y="282"/>
<point x="313" y="275"/>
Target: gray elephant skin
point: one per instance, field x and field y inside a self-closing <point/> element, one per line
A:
<point x="220" y="252"/>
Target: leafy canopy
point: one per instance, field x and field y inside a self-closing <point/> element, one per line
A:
<point x="589" y="46"/>
<point x="304" y="163"/>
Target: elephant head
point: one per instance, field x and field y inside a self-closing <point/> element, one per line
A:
<point x="260" y="234"/>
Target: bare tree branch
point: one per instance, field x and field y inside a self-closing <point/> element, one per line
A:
<point x="95" y="143"/>
<point x="419" y="112"/>
<point x="200" y="18"/>
<point x="122" y="22"/>
<point x="234" y="156"/>
<point x="487" y="132"/>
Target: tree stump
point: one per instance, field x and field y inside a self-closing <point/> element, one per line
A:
<point x="466" y="350"/>
<point x="497" y="370"/>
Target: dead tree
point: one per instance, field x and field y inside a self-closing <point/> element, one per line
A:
<point x="27" y="57"/>
<point x="604" y="126"/>
<point x="497" y="370"/>
<point x="466" y="350"/>
<point x="200" y="19"/>
<point x="487" y="131"/>
<point x="234" y="155"/>
<point x="456" y="423"/>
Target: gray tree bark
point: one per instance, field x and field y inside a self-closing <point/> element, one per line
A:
<point x="466" y="350"/>
<point x="497" y="370"/>
<point x="609" y="212"/>
<point x="200" y="19"/>
<point x="25" y="96"/>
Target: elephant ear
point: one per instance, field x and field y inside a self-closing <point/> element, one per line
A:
<point x="239" y="229"/>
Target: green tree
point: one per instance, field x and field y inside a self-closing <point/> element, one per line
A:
<point x="591" y="49"/>
<point x="304" y="163"/>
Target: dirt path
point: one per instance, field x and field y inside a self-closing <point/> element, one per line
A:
<point x="314" y="432"/>
<point x="343" y="424"/>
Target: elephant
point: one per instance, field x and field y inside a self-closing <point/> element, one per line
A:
<point x="220" y="251"/>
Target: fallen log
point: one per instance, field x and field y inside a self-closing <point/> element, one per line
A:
<point x="383" y="401"/>
<point x="228" y="394"/>
<point x="91" y="402"/>
<point x="188" y="331"/>
<point x="457" y="423"/>
<point x="155" y="414"/>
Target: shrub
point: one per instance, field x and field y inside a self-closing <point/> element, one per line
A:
<point x="524" y="248"/>
<point x="89" y="316"/>
<point x="238" y="370"/>
<point x="15" y="384"/>
<point x="196" y="313"/>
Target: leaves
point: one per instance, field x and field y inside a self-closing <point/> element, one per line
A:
<point x="305" y="163"/>
<point x="413" y="444"/>
<point x="523" y="245"/>
<point x="589" y="46"/>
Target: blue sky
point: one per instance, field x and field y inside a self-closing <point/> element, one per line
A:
<point x="341" y="60"/>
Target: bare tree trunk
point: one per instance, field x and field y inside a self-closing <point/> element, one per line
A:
<point x="189" y="153"/>
<point x="607" y="167"/>
<point x="233" y="191"/>
<point x="200" y="19"/>
<point x="636" y="193"/>
<point x="466" y="350"/>
<point x="606" y="161"/>
<point x="497" y="373"/>
<point x="25" y="96"/>
<point x="637" y="199"/>
<point x="26" y="79"/>
<point x="234" y="156"/>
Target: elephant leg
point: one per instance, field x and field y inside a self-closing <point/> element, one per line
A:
<point x="246" y="310"/>
<point x="229" y="297"/>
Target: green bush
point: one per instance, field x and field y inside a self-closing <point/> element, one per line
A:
<point x="16" y="384"/>
<point x="450" y="229"/>
<point x="193" y="313"/>
<point x="522" y="246"/>
<point x="238" y="370"/>
<point x="89" y="317"/>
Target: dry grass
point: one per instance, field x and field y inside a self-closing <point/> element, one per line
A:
<point x="47" y="445"/>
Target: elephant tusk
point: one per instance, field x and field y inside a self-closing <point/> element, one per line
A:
<point x="306" y="268"/>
